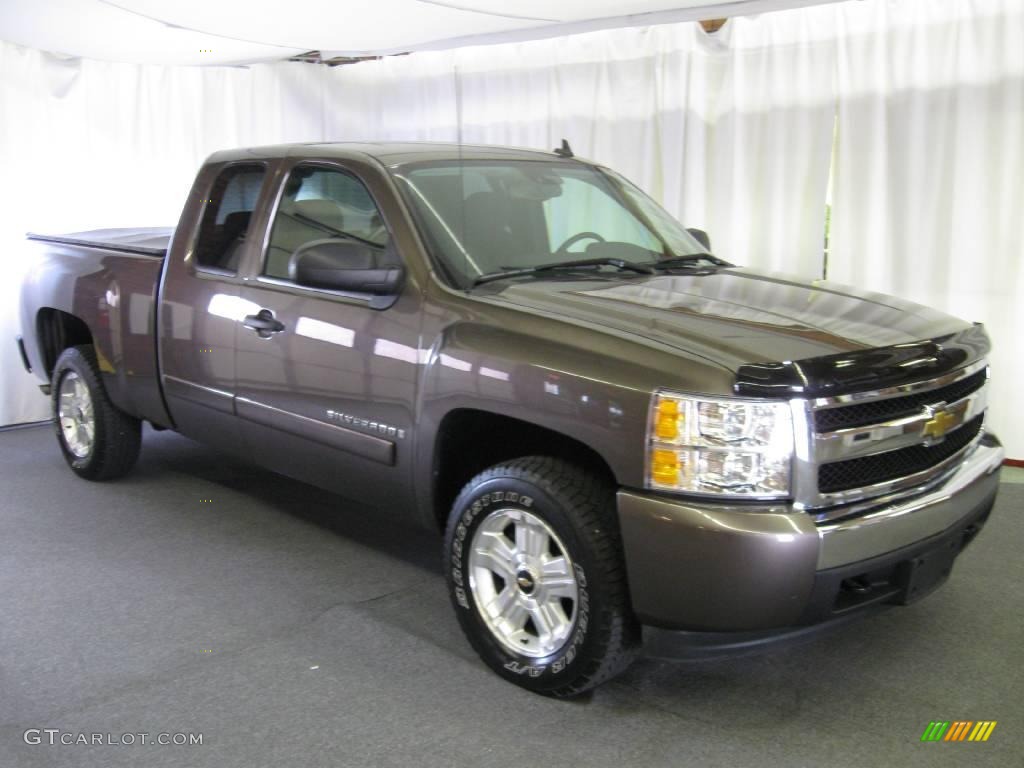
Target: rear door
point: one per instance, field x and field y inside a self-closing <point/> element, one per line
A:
<point x="326" y="393"/>
<point x="201" y="304"/>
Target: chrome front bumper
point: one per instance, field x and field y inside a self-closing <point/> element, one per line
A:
<point x="714" y="567"/>
<point x="906" y="522"/>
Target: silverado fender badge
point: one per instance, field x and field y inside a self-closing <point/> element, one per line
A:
<point x="379" y="427"/>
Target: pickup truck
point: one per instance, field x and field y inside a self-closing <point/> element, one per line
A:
<point x="624" y="439"/>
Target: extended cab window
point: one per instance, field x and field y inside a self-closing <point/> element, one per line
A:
<point x="227" y="215"/>
<point x="317" y="204"/>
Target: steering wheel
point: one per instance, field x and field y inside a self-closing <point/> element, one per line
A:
<point x="564" y="247"/>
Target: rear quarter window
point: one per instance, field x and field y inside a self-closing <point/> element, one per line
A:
<point x="227" y="216"/>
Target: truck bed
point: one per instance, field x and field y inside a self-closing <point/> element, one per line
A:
<point x="145" y="241"/>
<point x="105" y="279"/>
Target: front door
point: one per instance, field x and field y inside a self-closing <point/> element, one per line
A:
<point x="326" y="380"/>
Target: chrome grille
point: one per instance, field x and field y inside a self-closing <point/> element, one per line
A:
<point x="892" y="441"/>
<point x="872" y="412"/>
<point x="879" y="467"/>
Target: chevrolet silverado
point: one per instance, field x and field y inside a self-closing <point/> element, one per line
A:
<point x="621" y="436"/>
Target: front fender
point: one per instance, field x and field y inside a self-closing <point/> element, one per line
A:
<point x="577" y="382"/>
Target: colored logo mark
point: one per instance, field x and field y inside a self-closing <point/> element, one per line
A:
<point x="958" y="730"/>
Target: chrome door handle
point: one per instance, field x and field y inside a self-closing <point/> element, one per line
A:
<point x="264" y="323"/>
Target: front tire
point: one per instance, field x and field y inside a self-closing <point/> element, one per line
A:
<point x="99" y="441"/>
<point x="534" y="567"/>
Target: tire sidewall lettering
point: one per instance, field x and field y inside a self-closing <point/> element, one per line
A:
<point x="568" y="654"/>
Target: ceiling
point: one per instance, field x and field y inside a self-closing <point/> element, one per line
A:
<point x="246" y="31"/>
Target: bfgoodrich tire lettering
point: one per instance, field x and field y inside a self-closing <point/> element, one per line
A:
<point x="109" y="447"/>
<point x="577" y="508"/>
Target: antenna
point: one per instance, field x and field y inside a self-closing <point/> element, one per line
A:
<point x="462" y="165"/>
<point x="565" y="150"/>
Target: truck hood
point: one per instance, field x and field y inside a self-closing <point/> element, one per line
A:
<point x="739" y="317"/>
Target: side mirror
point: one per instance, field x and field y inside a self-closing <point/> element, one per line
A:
<point x="701" y="237"/>
<point x="344" y="265"/>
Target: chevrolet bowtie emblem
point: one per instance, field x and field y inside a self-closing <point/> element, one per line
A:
<point x="939" y="424"/>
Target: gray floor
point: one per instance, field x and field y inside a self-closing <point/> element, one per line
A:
<point x="291" y="629"/>
<point x="1013" y="475"/>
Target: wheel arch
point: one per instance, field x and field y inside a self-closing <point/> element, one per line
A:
<point x="464" y="446"/>
<point x="57" y="330"/>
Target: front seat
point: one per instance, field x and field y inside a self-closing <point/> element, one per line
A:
<point x="491" y="236"/>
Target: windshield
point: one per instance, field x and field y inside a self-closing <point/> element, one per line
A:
<point x="485" y="216"/>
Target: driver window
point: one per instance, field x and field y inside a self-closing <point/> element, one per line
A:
<point x="584" y="207"/>
<point x="320" y="203"/>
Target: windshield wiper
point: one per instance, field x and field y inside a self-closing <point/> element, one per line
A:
<point x="602" y="262"/>
<point x="686" y="260"/>
<point x="332" y="230"/>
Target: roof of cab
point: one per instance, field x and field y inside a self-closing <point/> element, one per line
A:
<point x="387" y="152"/>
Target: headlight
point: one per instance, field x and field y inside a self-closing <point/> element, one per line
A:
<point x="740" y="448"/>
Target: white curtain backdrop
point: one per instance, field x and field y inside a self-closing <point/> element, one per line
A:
<point x="731" y="132"/>
<point x="928" y="201"/>
<point x="88" y="144"/>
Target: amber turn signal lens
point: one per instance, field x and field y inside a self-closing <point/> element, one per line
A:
<point x="665" y="466"/>
<point x="666" y="424"/>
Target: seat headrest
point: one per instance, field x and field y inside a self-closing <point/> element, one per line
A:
<point x="237" y="220"/>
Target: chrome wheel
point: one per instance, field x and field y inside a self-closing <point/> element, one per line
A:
<point x="523" y="582"/>
<point x="75" y="415"/>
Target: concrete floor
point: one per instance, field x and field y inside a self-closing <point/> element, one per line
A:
<point x="292" y="628"/>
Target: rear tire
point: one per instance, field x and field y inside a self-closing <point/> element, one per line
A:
<point x="99" y="441"/>
<point x="533" y="561"/>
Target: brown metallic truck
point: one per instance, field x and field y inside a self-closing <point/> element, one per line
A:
<point x="625" y="439"/>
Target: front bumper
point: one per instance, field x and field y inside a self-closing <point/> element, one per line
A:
<point x="733" y="568"/>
